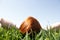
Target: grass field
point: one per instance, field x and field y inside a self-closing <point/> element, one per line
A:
<point x="15" y="34"/>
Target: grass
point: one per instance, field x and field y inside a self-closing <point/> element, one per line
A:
<point x="15" y="34"/>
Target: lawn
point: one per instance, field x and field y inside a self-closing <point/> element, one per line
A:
<point x="15" y="34"/>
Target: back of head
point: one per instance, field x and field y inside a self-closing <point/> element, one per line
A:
<point x="30" y="23"/>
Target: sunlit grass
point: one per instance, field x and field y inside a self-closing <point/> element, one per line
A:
<point x="15" y="34"/>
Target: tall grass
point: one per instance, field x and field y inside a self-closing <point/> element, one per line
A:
<point x="15" y="34"/>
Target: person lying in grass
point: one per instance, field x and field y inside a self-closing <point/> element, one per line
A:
<point x="6" y="24"/>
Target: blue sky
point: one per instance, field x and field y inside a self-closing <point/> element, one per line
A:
<point x="45" y="11"/>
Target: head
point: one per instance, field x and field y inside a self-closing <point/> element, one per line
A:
<point x="0" y="20"/>
<point x="30" y="24"/>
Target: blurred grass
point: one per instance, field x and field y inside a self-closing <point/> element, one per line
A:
<point x="15" y="34"/>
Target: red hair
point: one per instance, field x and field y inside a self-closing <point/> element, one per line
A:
<point x="30" y="23"/>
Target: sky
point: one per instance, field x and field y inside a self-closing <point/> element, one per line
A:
<point x="45" y="11"/>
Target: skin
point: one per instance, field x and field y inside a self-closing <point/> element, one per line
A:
<point x="28" y="24"/>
